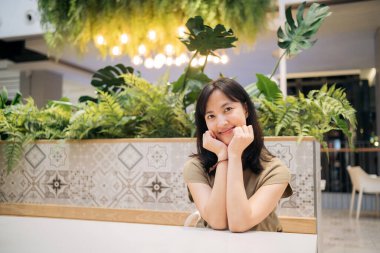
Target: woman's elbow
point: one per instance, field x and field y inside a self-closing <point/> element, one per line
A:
<point x="237" y="228"/>
<point x="218" y="225"/>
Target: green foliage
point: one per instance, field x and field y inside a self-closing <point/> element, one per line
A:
<point x="140" y="109"/>
<point x="4" y="100"/>
<point x="22" y="123"/>
<point x="315" y="115"/>
<point x="204" y="39"/>
<point x="105" y="119"/>
<point x="298" y="33"/>
<point x="108" y="80"/>
<point x="78" y="22"/>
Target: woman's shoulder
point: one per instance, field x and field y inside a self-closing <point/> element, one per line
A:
<point x="193" y="162"/>
<point x="273" y="166"/>
<point x="193" y="171"/>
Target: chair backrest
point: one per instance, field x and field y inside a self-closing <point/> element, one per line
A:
<point x="356" y="173"/>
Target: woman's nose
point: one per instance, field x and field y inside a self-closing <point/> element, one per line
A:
<point x="222" y="121"/>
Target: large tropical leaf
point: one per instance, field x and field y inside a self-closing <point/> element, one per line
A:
<point x="268" y="88"/>
<point x="298" y="33"/>
<point x="109" y="80"/>
<point x="204" y="39"/>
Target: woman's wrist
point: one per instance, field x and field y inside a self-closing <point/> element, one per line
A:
<point x="222" y="156"/>
<point x="216" y="164"/>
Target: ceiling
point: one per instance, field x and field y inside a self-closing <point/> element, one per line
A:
<point x="346" y="42"/>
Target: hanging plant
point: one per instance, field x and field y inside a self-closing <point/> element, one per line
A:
<point x="126" y="23"/>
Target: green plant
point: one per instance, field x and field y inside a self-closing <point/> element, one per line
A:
<point x="79" y="22"/>
<point x="108" y="80"/>
<point x="321" y="110"/>
<point x="138" y="109"/>
<point x="204" y="40"/>
<point x="22" y="123"/>
<point x="5" y="101"/>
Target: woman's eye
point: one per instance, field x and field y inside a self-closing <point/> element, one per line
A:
<point x="209" y="116"/>
<point x="228" y="109"/>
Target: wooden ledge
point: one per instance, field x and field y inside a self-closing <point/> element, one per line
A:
<point x="302" y="225"/>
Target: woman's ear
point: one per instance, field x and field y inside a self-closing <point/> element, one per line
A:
<point x="246" y="110"/>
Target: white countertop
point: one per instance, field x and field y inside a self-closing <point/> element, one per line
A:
<point x="45" y="235"/>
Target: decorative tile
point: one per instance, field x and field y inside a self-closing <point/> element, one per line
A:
<point x="56" y="184"/>
<point x="282" y="152"/>
<point x="34" y="156"/>
<point x="157" y="156"/>
<point x="57" y="156"/>
<point x="156" y="187"/>
<point x="130" y="156"/>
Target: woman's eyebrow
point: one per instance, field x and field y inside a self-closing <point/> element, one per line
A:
<point x="222" y="106"/>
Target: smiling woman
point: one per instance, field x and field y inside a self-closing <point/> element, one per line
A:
<point x="233" y="179"/>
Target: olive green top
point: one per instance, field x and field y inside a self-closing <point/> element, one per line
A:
<point x="274" y="172"/>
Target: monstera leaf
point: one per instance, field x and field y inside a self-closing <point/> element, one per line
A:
<point x="108" y="80"/>
<point x="298" y="33"/>
<point x="204" y="39"/>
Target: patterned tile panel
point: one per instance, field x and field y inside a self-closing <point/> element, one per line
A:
<point x="136" y="175"/>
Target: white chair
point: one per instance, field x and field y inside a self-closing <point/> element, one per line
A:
<point x="189" y="222"/>
<point x="362" y="183"/>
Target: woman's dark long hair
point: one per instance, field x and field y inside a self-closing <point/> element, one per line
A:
<point x="234" y="91"/>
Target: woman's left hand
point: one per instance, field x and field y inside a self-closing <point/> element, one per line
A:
<point x="243" y="136"/>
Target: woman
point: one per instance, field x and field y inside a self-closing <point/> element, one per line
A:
<point x="233" y="180"/>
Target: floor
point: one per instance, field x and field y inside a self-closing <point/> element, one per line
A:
<point x="342" y="233"/>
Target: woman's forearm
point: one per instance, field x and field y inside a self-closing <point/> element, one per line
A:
<point x="215" y="210"/>
<point x="238" y="209"/>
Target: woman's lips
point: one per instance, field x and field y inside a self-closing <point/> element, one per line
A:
<point x="228" y="131"/>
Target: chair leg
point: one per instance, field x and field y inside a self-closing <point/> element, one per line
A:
<point x="352" y="201"/>
<point x="359" y="203"/>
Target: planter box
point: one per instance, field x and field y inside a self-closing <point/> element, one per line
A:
<point x="138" y="174"/>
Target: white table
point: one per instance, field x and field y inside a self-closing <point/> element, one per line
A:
<point x="44" y="235"/>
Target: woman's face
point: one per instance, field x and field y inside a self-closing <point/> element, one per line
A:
<point x="223" y="115"/>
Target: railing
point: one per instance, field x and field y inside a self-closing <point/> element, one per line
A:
<point x="336" y="159"/>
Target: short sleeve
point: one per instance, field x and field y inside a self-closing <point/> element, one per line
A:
<point x="193" y="172"/>
<point x="275" y="172"/>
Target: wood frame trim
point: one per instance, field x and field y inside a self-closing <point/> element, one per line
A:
<point x="304" y="225"/>
<point x="134" y="140"/>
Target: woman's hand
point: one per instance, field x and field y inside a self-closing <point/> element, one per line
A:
<point x="243" y="136"/>
<point x="211" y="143"/>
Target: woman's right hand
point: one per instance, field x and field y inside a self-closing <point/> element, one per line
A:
<point x="211" y="143"/>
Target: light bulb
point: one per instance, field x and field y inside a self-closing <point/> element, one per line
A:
<point x="137" y="60"/>
<point x="152" y="35"/>
<point x="100" y="40"/>
<point x="142" y="49"/>
<point x="169" y="61"/>
<point x="169" y="49"/>
<point x="159" y="61"/>
<point x="216" y="59"/>
<point x="194" y="62"/>
<point x="183" y="57"/>
<point x="149" y="63"/>
<point x="181" y="31"/>
<point x="178" y="61"/>
<point x="116" y="50"/>
<point x="224" y="59"/>
<point x="124" y="38"/>
<point x="202" y="60"/>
